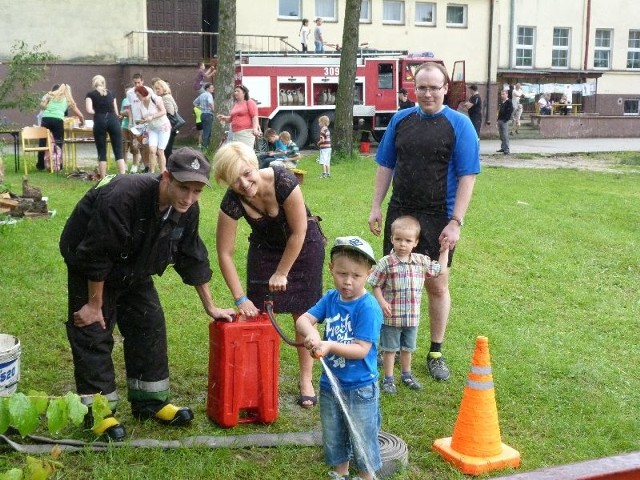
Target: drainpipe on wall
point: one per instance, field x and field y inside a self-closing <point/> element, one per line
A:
<point x="512" y="21"/>
<point x="489" y="62"/>
<point x="586" y="39"/>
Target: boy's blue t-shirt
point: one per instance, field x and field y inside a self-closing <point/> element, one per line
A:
<point x="345" y="322"/>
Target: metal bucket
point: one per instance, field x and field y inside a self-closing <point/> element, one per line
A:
<point x="9" y="364"/>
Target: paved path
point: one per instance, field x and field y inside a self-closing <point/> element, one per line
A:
<point x="552" y="146"/>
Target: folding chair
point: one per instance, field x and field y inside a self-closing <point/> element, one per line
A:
<point x="31" y="137"/>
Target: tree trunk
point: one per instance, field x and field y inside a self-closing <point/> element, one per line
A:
<point x="226" y="73"/>
<point x="342" y="137"/>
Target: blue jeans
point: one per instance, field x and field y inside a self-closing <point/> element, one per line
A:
<point x="207" y="125"/>
<point x="319" y="47"/>
<point x="363" y="405"/>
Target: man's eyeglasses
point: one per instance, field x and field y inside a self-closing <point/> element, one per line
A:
<point x="431" y="90"/>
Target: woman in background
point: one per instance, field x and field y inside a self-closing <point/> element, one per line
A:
<point x="54" y="105"/>
<point x="101" y="103"/>
<point x="154" y="116"/>
<point x="243" y="117"/>
<point x="304" y="35"/>
<point x="162" y="90"/>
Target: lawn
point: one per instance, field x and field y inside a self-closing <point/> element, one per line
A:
<point x="547" y="268"/>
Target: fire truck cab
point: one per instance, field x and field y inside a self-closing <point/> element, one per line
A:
<point x="292" y="91"/>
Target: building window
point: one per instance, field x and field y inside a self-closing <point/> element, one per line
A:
<point x="365" y="11"/>
<point x="524" y="47"/>
<point x="632" y="106"/>
<point x="327" y="9"/>
<point x="560" y="52"/>
<point x="456" y="15"/>
<point x="633" y="55"/>
<point x="602" y="49"/>
<point x="393" y="12"/>
<point x="289" y="9"/>
<point x="425" y="13"/>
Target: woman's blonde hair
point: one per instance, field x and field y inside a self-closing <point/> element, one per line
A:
<point x="63" y="90"/>
<point x="164" y="86"/>
<point x="230" y="160"/>
<point x="99" y="83"/>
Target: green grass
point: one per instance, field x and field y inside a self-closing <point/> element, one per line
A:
<point x="547" y="268"/>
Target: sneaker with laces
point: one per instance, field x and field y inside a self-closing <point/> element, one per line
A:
<point x="336" y="476"/>
<point x="437" y="367"/>
<point x="133" y="169"/>
<point x="389" y="387"/>
<point x="411" y="382"/>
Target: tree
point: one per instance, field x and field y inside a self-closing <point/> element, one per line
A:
<point x="226" y="72"/>
<point x="27" y="66"/>
<point x="342" y="138"/>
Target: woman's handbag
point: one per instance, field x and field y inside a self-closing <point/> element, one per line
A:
<point x="177" y="122"/>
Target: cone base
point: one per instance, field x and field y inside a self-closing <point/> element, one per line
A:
<point x="477" y="465"/>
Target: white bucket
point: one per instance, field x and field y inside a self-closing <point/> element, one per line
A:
<point x="9" y="364"/>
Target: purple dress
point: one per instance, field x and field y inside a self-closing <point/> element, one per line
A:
<point x="267" y="242"/>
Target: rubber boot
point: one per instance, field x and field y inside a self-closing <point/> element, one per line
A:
<point x="166" y="413"/>
<point x="109" y="427"/>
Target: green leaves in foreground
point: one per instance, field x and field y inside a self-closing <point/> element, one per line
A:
<point x="23" y="412"/>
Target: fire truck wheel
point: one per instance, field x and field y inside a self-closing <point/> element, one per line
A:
<point x="315" y="127"/>
<point x="294" y="124"/>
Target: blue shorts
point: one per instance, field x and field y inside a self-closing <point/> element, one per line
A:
<point x="393" y="339"/>
<point x="363" y="405"/>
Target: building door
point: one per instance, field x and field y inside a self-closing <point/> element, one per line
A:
<point x="169" y="17"/>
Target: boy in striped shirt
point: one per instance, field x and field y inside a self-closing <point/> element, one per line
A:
<point x="397" y="281"/>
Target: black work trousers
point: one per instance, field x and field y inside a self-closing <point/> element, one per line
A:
<point x="135" y="308"/>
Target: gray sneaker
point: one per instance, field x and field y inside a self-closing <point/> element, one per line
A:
<point x="411" y="382"/>
<point x="336" y="476"/>
<point x="389" y="387"/>
<point x="437" y="367"/>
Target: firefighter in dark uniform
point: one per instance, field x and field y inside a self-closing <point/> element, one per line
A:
<point x="124" y="230"/>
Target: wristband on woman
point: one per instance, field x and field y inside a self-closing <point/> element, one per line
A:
<point x="241" y="300"/>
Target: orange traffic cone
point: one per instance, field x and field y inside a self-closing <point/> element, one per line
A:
<point x="475" y="446"/>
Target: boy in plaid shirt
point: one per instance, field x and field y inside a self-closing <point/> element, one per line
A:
<point x="397" y="281"/>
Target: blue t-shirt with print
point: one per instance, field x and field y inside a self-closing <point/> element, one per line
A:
<point x="345" y="322"/>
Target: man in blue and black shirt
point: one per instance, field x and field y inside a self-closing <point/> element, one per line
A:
<point x="431" y="153"/>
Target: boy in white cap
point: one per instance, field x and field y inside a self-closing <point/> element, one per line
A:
<point x="352" y="319"/>
<point x="124" y="230"/>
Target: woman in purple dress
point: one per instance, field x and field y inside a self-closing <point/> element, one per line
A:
<point x="286" y="245"/>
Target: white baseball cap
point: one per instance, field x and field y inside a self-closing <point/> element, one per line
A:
<point x="354" y="243"/>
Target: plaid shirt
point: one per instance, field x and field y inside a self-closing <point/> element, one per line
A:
<point x="401" y="284"/>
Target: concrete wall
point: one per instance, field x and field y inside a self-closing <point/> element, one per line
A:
<point x="74" y="30"/>
<point x="586" y="126"/>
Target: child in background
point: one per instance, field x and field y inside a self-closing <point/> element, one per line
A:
<point x="197" y="113"/>
<point x="324" y="143"/>
<point x="352" y="318"/>
<point x="293" y="152"/>
<point x="275" y="149"/>
<point x="397" y="281"/>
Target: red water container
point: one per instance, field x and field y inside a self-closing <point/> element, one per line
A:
<point x="244" y="361"/>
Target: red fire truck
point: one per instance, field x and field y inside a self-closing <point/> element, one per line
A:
<point x="293" y="91"/>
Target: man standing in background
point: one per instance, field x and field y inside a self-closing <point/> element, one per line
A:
<point x="474" y="108"/>
<point x="318" y="37"/>
<point x="505" y="111"/>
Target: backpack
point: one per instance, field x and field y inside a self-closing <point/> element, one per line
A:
<point x="55" y="156"/>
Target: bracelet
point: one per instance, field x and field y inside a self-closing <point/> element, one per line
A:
<point x="241" y="300"/>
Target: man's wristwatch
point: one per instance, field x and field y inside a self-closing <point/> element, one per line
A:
<point x="457" y="219"/>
